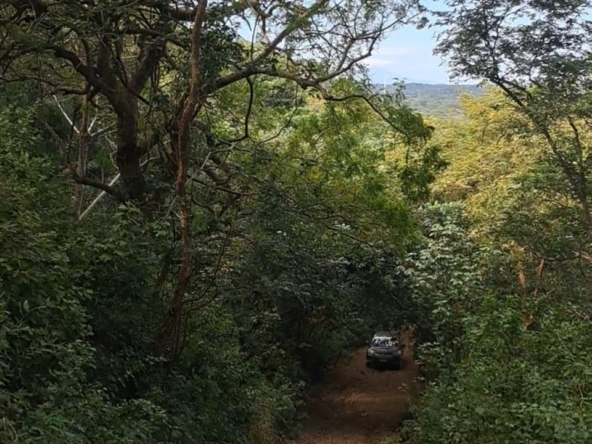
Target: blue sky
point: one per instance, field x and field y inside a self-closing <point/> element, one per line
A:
<point x="407" y="55"/>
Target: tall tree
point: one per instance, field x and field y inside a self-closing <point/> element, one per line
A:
<point x="538" y="53"/>
<point x="126" y="50"/>
<point x="162" y="68"/>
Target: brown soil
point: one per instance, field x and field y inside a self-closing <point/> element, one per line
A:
<point x="360" y="405"/>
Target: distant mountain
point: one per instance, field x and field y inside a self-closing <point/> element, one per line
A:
<point x="440" y="100"/>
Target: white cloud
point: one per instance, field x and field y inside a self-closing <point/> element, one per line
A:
<point x="388" y="56"/>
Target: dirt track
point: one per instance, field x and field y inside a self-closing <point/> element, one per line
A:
<point x="360" y="405"/>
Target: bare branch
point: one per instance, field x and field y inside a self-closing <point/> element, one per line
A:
<point x="99" y="197"/>
<point x="248" y="113"/>
<point x="99" y="185"/>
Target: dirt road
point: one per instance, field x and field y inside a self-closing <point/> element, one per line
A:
<point x="360" y="405"/>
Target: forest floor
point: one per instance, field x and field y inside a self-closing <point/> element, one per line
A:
<point x="360" y="405"/>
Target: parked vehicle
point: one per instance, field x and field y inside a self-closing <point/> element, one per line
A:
<point x="384" y="349"/>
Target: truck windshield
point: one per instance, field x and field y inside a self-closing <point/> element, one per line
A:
<point x="382" y="342"/>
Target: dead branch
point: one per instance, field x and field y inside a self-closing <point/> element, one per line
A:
<point x="99" y="185"/>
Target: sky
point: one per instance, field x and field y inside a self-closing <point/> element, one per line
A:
<point x="407" y="55"/>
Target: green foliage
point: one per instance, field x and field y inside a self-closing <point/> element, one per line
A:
<point x="291" y="262"/>
<point x="444" y="278"/>
<point x="78" y="320"/>
<point x="300" y="214"/>
<point x="502" y="367"/>
<point x="486" y="158"/>
<point x="513" y="384"/>
<point x="44" y="332"/>
<point x="508" y="337"/>
<point x="537" y="55"/>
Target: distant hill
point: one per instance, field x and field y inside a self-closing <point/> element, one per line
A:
<point x="437" y="100"/>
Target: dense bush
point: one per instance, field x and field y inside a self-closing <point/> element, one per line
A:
<point x="506" y="342"/>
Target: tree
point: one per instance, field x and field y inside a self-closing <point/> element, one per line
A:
<point x="161" y="71"/>
<point x="304" y="228"/>
<point x="537" y="54"/>
<point x="487" y="156"/>
<point x="126" y="52"/>
<point x="489" y="330"/>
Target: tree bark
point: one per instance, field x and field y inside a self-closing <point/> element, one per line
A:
<point x="132" y="176"/>
<point x="83" y="144"/>
<point x="172" y="330"/>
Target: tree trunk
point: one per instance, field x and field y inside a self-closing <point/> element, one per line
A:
<point x="132" y="176"/>
<point x="192" y="103"/>
<point x="83" y="144"/>
<point x="586" y="215"/>
<point x="129" y="154"/>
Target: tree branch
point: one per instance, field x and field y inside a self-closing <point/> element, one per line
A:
<point x="99" y="185"/>
<point x="85" y="71"/>
<point x="248" y="114"/>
